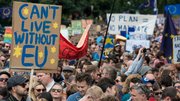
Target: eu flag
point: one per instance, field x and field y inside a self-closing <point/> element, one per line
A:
<point x="168" y="34"/>
<point x="173" y="9"/>
<point x="148" y="4"/>
<point x="5" y="12"/>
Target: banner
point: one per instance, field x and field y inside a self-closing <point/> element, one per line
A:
<point x="69" y="51"/>
<point x="8" y="35"/>
<point x="35" y="41"/>
<point x="176" y="49"/>
<point x="76" y="27"/>
<point x="131" y="45"/>
<point x="131" y="23"/>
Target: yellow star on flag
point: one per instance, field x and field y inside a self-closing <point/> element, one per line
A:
<point x="55" y="25"/>
<point x="40" y="54"/>
<point x="25" y="11"/>
<point x="166" y="34"/>
<point x="172" y="36"/>
<point x="53" y="49"/>
<point x="52" y="61"/>
<point x="109" y="40"/>
<point x="17" y="51"/>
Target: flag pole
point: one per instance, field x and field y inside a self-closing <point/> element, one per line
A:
<point x="156" y="8"/>
<point x="99" y="64"/>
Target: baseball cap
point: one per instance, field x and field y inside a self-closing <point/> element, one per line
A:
<point x="146" y="80"/>
<point x="16" y="80"/>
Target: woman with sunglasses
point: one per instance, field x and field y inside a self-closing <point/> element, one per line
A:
<point x="57" y="92"/>
<point x="37" y="88"/>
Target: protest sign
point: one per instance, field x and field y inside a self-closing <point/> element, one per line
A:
<point x="131" y="23"/>
<point x="8" y="35"/>
<point x="137" y="36"/>
<point x="131" y="45"/>
<point x="160" y="19"/>
<point x="35" y="43"/>
<point x="176" y="49"/>
<point x="76" y="27"/>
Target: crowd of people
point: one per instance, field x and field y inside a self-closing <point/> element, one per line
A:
<point x="144" y="75"/>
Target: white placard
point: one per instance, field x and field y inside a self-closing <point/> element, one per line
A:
<point x="143" y="24"/>
<point x="176" y="49"/>
<point x="132" y="44"/>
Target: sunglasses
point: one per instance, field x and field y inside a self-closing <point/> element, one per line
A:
<point x="178" y="87"/>
<point x="117" y="80"/>
<point x="158" y="93"/>
<point x="23" y="85"/>
<point x="56" y="90"/>
<point x="3" y="79"/>
<point x="7" y="46"/>
<point x="39" y="90"/>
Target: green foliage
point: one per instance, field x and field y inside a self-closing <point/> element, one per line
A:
<point x="77" y="9"/>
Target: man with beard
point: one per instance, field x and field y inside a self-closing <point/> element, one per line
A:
<point x="18" y="88"/>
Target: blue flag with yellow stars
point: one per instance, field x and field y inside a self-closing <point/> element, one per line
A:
<point x="168" y="34"/>
<point x="5" y="12"/>
<point x="109" y="42"/>
<point x="173" y="9"/>
<point x="148" y="4"/>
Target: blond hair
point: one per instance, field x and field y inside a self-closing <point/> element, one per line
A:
<point x="35" y="83"/>
<point x="95" y="91"/>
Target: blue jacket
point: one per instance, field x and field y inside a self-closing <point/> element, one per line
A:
<point x="74" y="97"/>
<point x="135" y="66"/>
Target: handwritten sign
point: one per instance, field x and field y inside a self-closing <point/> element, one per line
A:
<point x="76" y="27"/>
<point x="131" y="45"/>
<point x="176" y="49"/>
<point x="131" y="23"/>
<point x="35" y="36"/>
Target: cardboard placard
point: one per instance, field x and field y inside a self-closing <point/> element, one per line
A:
<point x="35" y="43"/>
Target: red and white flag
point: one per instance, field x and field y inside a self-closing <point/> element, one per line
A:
<point x="68" y="51"/>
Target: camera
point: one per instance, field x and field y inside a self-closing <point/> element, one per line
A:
<point x="144" y="50"/>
